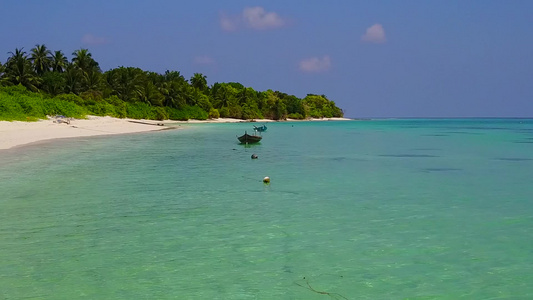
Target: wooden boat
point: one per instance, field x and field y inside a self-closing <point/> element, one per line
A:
<point x="249" y="139"/>
<point x="260" y="128"/>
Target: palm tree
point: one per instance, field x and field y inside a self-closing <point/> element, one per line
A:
<point x="83" y="59"/>
<point x="199" y="81"/>
<point x="223" y="94"/>
<point x="92" y="80"/>
<point x="243" y="96"/>
<point x="41" y="58"/>
<point x="2" y="70"/>
<point x="173" y="75"/>
<point x="53" y="83"/>
<point x="173" y="88"/>
<point x="18" y="70"/>
<point x="147" y="92"/>
<point x="90" y="71"/>
<point x="125" y="82"/>
<point x="73" y="77"/>
<point x="59" y="61"/>
<point x="175" y="93"/>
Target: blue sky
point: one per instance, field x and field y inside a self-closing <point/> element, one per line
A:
<point x="373" y="58"/>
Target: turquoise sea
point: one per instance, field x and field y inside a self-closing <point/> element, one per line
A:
<point x="373" y="209"/>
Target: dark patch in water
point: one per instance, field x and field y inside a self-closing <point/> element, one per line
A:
<point x="484" y="128"/>
<point x="441" y="169"/>
<point x="408" y="155"/>
<point x="338" y="158"/>
<point x="513" y="159"/>
<point x="464" y="132"/>
<point x="524" y="130"/>
<point x="436" y="134"/>
<point x="287" y="269"/>
<point x="425" y="149"/>
<point x="291" y="193"/>
<point x="523" y="142"/>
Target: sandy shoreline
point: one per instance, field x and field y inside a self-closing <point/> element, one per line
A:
<point x="13" y="134"/>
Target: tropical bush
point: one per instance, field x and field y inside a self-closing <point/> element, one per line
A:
<point x="53" y="107"/>
<point x="214" y="114"/>
<point x="296" y="116"/>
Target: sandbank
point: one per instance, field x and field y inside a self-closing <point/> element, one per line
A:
<point x="16" y="133"/>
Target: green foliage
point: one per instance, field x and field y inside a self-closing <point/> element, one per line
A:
<point x="214" y="114"/>
<point x="116" y="101"/>
<point x="53" y="83"/>
<point x="54" y="107"/>
<point x="187" y="113"/>
<point x="280" y="112"/>
<point x="199" y="81"/>
<point x="139" y="110"/>
<point x="59" y="62"/>
<point x="224" y="112"/>
<point x="250" y="111"/>
<point x="33" y="106"/>
<point x="235" y="85"/>
<point x="18" y="104"/>
<point x="272" y="106"/>
<point x="71" y="98"/>
<point x="41" y="58"/>
<point x="196" y="113"/>
<point x="79" y="86"/>
<point x="320" y="106"/>
<point x="160" y="113"/>
<point x="10" y="109"/>
<point x="121" y="110"/>
<point x="147" y="92"/>
<point x="235" y="112"/>
<point x="223" y="95"/>
<point x="296" y="116"/>
<point x="15" y="90"/>
<point x="84" y="61"/>
<point x="203" y="102"/>
<point x="91" y="97"/>
<point x="294" y="106"/>
<point x="19" y="70"/>
<point x="104" y="109"/>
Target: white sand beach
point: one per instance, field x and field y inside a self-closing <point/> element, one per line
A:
<point x="16" y="133"/>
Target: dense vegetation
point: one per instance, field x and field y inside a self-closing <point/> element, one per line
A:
<point x="43" y="83"/>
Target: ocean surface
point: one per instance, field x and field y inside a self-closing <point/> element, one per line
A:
<point x="373" y="209"/>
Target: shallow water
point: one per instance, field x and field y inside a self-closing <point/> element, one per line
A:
<point x="383" y="209"/>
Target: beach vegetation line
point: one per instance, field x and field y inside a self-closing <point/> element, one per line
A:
<point x="43" y="82"/>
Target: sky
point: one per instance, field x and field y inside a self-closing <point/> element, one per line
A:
<point x="374" y="59"/>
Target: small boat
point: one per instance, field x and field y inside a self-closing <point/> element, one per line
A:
<point x="249" y="139"/>
<point x="260" y="128"/>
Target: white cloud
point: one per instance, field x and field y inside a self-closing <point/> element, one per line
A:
<point x="315" y="64"/>
<point x="374" y="34"/>
<point x="90" y="39"/>
<point x="252" y="17"/>
<point x="204" y="60"/>
<point x="258" y="18"/>
<point x="229" y="23"/>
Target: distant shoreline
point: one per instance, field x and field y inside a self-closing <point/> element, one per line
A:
<point x="17" y="133"/>
<point x="230" y="120"/>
